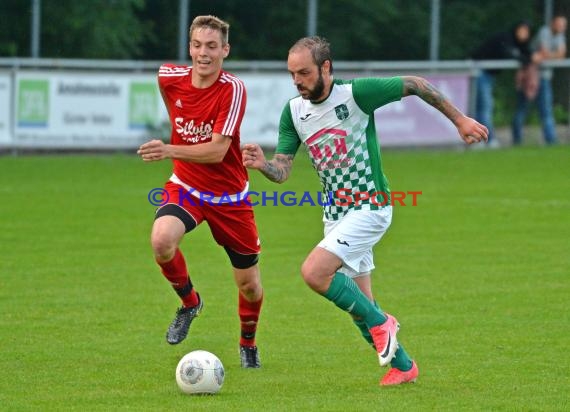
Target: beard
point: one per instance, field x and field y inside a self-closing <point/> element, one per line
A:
<point x="317" y="91"/>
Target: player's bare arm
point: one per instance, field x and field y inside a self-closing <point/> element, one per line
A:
<point x="213" y="151"/>
<point x="277" y="169"/>
<point x="469" y="129"/>
<point x="165" y="100"/>
<point x="420" y="87"/>
<point x="559" y="53"/>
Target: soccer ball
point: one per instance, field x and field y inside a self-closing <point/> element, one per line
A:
<point x="200" y="372"/>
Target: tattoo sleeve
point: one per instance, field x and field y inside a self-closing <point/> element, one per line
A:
<point x="278" y="168"/>
<point x="420" y="87"/>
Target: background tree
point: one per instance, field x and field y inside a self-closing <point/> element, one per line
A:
<point x="15" y="28"/>
<point x="99" y="29"/>
<point x="261" y="29"/>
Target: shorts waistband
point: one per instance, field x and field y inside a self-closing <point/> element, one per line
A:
<point x="226" y="198"/>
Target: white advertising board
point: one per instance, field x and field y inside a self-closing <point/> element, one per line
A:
<point x="409" y="122"/>
<point x="85" y="110"/>
<point x="122" y="110"/>
<point x="413" y="122"/>
<point x="5" y="109"/>
<point x="267" y="95"/>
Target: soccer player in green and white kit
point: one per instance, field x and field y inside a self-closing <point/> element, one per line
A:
<point x="334" y="119"/>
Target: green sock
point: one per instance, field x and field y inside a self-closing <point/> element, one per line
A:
<point x="364" y="331"/>
<point x="401" y="360"/>
<point x="346" y="295"/>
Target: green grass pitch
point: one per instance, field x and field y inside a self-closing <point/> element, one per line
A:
<point x="477" y="273"/>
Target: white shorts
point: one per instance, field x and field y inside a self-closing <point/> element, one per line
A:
<point x="352" y="237"/>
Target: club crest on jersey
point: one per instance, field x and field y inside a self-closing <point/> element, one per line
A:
<point x="341" y="111"/>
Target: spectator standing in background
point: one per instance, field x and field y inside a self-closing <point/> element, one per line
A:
<point x="548" y="44"/>
<point x="511" y="44"/>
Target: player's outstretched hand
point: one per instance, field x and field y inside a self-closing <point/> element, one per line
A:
<point x="153" y="151"/>
<point x="472" y="131"/>
<point x="252" y="156"/>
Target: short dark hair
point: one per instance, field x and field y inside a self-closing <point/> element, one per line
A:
<point x="319" y="46"/>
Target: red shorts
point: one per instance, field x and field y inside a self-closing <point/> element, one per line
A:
<point x="232" y="225"/>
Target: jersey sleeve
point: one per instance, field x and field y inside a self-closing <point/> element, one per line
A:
<point x="167" y="73"/>
<point x="164" y="77"/>
<point x="371" y="93"/>
<point x="231" y="109"/>
<point x="289" y="140"/>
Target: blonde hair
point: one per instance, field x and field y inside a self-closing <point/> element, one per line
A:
<point x="213" y="23"/>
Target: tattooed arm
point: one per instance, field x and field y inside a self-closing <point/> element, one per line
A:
<point x="277" y="169"/>
<point x="470" y="130"/>
<point x="427" y="92"/>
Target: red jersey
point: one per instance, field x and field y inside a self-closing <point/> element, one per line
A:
<point x="195" y="114"/>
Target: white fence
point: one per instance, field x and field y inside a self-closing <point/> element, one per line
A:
<point x="86" y="104"/>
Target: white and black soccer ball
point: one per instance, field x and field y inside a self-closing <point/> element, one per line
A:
<point x="200" y="372"/>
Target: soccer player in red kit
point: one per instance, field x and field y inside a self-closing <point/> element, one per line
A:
<point x="206" y="106"/>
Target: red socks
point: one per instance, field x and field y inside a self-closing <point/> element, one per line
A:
<point x="248" y="316"/>
<point x="177" y="274"/>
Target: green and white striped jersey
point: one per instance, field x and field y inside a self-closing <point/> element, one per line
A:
<point x="340" y="136"/>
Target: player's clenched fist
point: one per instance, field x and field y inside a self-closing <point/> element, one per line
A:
<point x="252" y="156"/>
<point x="471" y="131"/>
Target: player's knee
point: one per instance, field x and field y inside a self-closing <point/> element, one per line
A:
<point x="311" y="276"/>
<point x="250" y="288"/>
<point x="163" y="244"/>
<point x="162" y="247"/>
<point x="306" y="271"/>
<point x="171" y="222"/>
